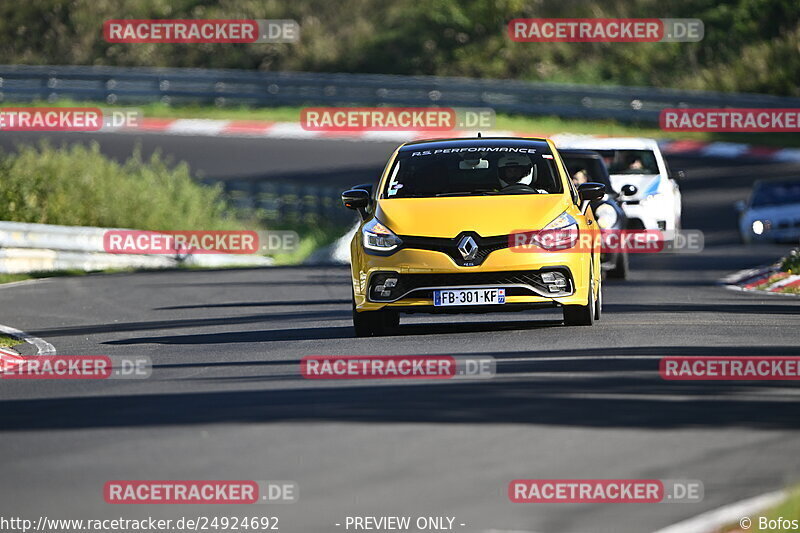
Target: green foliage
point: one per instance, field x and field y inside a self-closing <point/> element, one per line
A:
<point x="749" y="45"/>
<point x="7" y="341"/>
<point x="791" y="263"/>
<point x="79" y="186"/>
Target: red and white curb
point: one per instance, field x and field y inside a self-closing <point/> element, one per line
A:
<point x="293" y="130"/>
<point x="284" y="130"/>
<point x="11" y="357"/>
<point x="736" y="513"/>
<point x="747" y="280"/>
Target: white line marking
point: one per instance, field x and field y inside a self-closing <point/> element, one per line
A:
<point x="23" y="282"/>
<point x="42" y="346"/>
<point x="713" y="520"/>
<point x="188" y="126"/>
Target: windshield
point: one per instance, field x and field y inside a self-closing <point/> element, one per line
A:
<point x="630" y="161"/>
<point x="585" y="169"/>
<point x="777" y="194"/>
<point x="472" y="171"/>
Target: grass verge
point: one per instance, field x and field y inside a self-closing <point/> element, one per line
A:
<point x="784" y="513"/>
<point x="7" y="341"/>
<point x="79" y="186"/>
<point x="311" y="239"/>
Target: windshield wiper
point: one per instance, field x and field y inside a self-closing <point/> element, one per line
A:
<point x="479" y="192"/>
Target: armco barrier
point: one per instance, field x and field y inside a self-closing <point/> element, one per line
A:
<point x="46" y="248"/>
<point x="287" y="204"/>
<point x="221" y="87"/>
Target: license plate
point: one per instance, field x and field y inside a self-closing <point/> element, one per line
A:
<point x="469" y="297"/>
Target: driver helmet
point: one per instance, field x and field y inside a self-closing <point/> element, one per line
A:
<point x="515" y="169"/>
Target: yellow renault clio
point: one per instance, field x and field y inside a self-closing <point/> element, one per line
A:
<point x="473" y="225"/>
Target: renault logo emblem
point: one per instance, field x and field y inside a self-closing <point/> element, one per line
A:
<point x="468" y="248"/>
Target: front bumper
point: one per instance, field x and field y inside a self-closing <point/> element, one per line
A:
<point x="653" y="216"/>
<point x="419" y="272"/>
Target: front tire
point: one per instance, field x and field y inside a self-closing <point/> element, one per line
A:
<point x="375" y="323"/>
<point x="582" y="315"/>
<point x="598" y="305"/>
<point x="621" y="267"/>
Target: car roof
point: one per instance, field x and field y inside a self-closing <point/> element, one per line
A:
<point x="608" y="143"/>
<point x="580" y="152"/>
<point x="429" y="144"/>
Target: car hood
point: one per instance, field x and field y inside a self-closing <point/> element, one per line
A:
<point x="645" y="183"/>
<point x="488" y="216"/>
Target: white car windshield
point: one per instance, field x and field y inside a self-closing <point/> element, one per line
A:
<point x="630" y="161"/>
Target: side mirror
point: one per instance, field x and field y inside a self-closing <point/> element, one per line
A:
<point x="365" y="186"/>
<point x="740" y="206"/>
<point x="589" y="192"/>
<point x="629" y="190"/>
<point x="357" y="199"/>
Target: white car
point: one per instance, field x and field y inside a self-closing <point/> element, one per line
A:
<point x="773" y="211"/>
<point x="648" y="192"/>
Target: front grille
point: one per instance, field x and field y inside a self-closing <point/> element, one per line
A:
<point x="422" y="285"/>
<point x="486" y="245"/>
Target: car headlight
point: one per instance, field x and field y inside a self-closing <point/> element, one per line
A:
<point x="561" y="233"/>
<point x="606" y="216"/>
<point x="378" y="237"/>
<point x="760" y="227"/>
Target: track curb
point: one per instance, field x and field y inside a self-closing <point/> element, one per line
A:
<point x="746" y="280"/>
<point x="293" y="130"/>
<point x="712" y="521"/>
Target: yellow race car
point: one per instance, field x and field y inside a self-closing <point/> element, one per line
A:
<point x="474" y="225"/>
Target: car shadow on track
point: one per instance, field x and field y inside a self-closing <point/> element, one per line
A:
<point x="272" y="303"/>
<point x="295" y="316"/>
<point x="569" y="388"/>
<point x="338" y="332"/>
<point x="689" y="308"/>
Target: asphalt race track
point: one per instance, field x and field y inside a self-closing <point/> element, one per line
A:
<point x="226" y="400"/>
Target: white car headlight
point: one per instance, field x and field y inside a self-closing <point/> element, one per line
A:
<point x="606" y="216"/>
<point x="378" y="237"/>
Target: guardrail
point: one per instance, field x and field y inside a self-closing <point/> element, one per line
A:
<point x="131" y="86"/>
<point x="45" y="248"/>
<point x="287" y="204"/>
